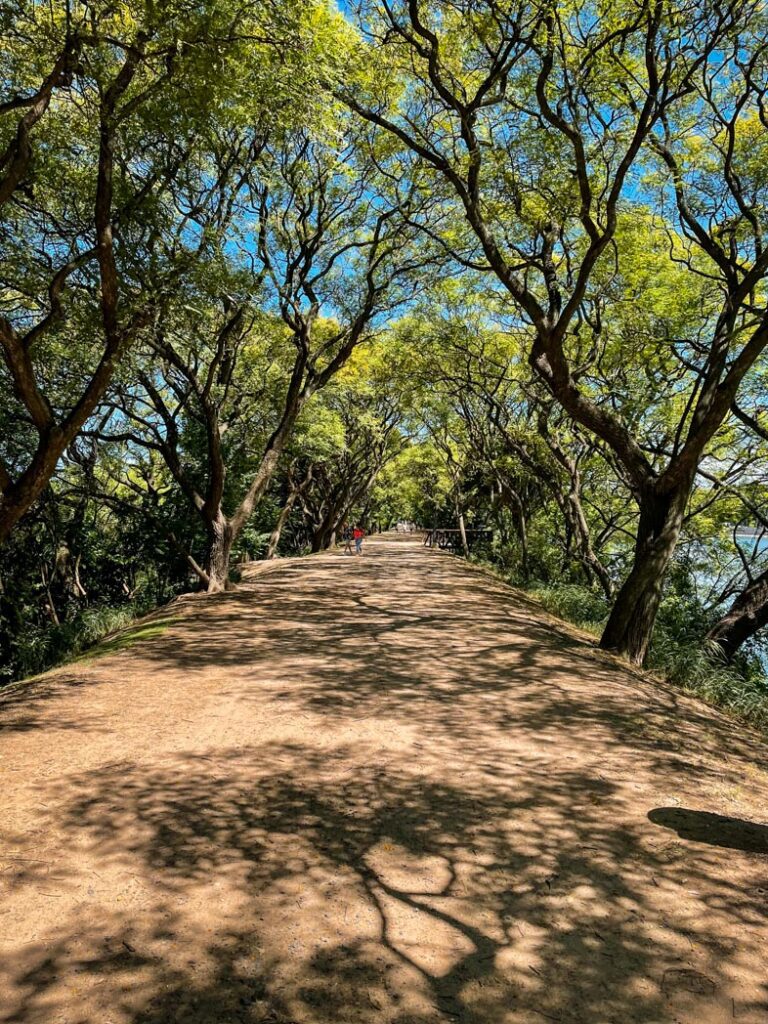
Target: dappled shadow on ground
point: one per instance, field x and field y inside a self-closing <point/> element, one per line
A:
<point x="401" y="799"/>
<point x="357" y="893"/>
<point x="351" y="637"/>
<point x="33" y="705"/>
<point x="37" y="702"/>
<point x="442" y="633"/>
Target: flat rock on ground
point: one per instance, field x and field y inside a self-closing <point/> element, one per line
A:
<point x="377" y="790"/>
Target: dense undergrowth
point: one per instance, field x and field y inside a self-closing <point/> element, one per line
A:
<point x="41" y="647"/>
<point x="72" y="577"/>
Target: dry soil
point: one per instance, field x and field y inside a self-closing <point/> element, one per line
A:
<point x="377" y="790"/>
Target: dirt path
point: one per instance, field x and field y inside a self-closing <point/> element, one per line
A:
<point x="375" y="790"/>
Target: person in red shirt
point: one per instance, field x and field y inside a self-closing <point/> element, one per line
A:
<point x="358" y="533"/>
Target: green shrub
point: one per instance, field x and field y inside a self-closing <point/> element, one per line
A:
<point x="41" y="647"/>
<point x="578" y="604"/>
<point x="698" y="668"/>
<point x="678" y="651"/>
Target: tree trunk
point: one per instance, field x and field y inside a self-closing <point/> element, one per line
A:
<point x="498" y="507"/>
<point x="586" y="553"/>
<point x="325" y="536"/>
<point x="463" y="533"/>
<point x="18" y="497"/>
<point x="285" y="511"/>
<point x="337" y="513"/>
<point x="51" y="604"/>
<point x="747" y="614"/>
<point x="79" y="588"/>
<point x="223" y="532"/>
<point x="630" y="624"/>
<point x="521" y="529"/>
<point x="220" y="540"/>
<point x="318" y="540"/>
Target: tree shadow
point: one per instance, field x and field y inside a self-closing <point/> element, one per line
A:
<point x="426" y="632"/>
<point x="35" y="704"/>
<point x="713" y="829"/>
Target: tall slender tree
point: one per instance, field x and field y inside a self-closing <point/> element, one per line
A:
<point x="323" y="256"/>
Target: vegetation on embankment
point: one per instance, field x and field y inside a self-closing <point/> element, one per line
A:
<point x="678" y="655"/>
<point x="97" y="631"/>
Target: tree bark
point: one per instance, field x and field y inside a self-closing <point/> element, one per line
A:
<point x="512" y="499"/>
<point x="586" y="553"/>
<point x="220" y="539"/>
<point x="337" y="512"/>
<point x="51" y="604"/>
<point x="321" y="538"/>
<point x="325" y="536"/>
<point x="462" y="532"/>
<point x="577" y="527"/>
<point x="223" y="531"/>
<point x="19" y="496"/>
<point x="630" y="624"/>
<point x="282" y="519"/>
<point x="747" y="615"/>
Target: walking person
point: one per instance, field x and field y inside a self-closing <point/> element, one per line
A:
<point x="358" y="533"/>
<point x="346" y="535"/>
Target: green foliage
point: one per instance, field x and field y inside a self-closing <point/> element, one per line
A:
<point x="576" y="603"/>
<point x="412" y="261"/>
<point x="42" y="644"/>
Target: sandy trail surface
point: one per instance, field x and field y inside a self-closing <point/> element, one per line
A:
<point x="380" y="790"/>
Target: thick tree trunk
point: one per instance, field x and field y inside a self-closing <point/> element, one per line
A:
<point x="220" y="540"/>
<point x="630" y="624"/>
<point x="18" y="497"/>
<point x="319" y="539"/>
<point x="324" y="536"/>
<point x="747" y="614"/>
<point x="223" y="532"/>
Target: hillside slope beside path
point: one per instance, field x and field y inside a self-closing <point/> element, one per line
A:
<point x="378" y="790"/>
